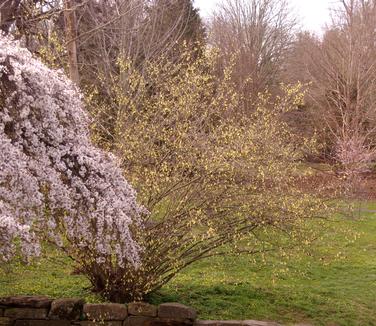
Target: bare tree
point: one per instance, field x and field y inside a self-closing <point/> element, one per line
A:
<point x="129" y="35"/>
<point x="138" y="30"/>
<point x="259" y="34"/>
<point x="95" y="34"/>
<point x="24" y="17"/>
<point x="342" y="69"/>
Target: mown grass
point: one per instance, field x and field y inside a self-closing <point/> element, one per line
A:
<point x="335" y="285"/>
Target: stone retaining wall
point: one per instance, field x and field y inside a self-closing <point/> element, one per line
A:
<point x="44" y="311"/>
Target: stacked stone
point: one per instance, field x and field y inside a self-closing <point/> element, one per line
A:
<point x="44" y="311"/>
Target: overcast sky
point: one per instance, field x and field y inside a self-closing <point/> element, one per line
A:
<point x="313" y="14"/>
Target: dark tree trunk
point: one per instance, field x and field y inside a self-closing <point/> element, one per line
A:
<point x="8" y="13"/>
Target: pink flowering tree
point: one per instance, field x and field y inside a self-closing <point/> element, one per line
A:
<point x="54" y="184"/>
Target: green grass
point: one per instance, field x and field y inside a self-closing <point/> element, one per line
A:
<point x="336" y="285"/>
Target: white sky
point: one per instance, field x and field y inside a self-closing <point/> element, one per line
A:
<point x="313" y="14"/>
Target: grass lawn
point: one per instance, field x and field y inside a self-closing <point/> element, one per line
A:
<point x="334" y="286"/>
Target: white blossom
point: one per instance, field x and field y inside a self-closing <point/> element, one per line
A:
<point x="53" y="181"/>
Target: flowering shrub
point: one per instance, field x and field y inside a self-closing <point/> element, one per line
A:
<point x="354" y="159"/>
<point x="354" y="155"/>
<point x="54" y="184"/>
<point x="215" y="180"/>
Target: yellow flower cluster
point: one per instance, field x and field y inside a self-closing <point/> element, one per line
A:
<point x="216" y="180"/>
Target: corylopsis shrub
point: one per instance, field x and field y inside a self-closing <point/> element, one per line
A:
<point x="216" y="180"/>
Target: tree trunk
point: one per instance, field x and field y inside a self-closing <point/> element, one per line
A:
<point x="8" y="12"/>
<point x="71" y="39"/>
